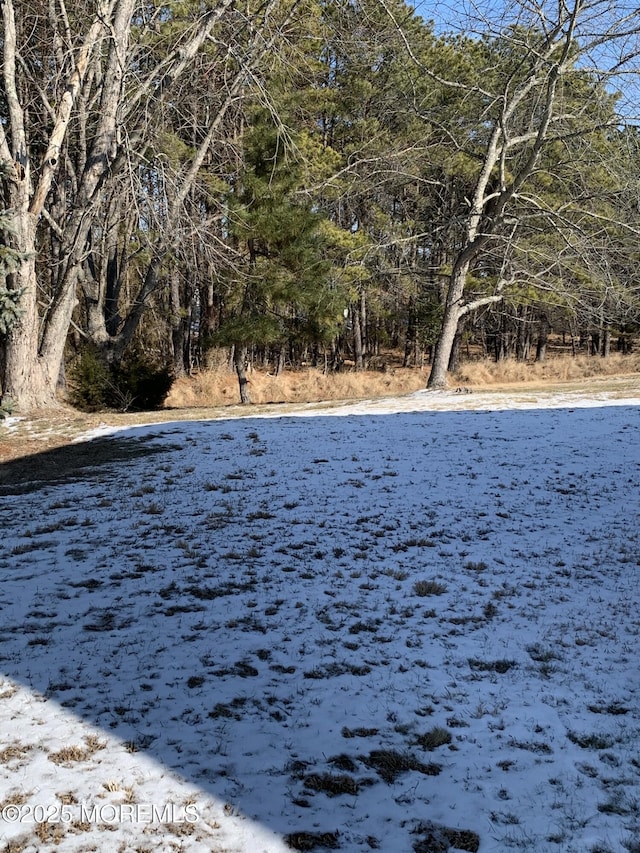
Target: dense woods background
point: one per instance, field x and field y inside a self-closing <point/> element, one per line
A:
<point x="191" y="184"/>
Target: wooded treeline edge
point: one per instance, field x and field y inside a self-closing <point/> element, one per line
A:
<point x="306" y="181"/>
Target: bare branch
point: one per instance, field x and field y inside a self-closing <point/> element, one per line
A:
<point x="52" y="154"/>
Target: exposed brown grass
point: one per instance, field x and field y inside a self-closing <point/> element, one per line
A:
<point x="15" y="752"/>
<point x="70" y="754"/>
<point x="219" y="387"/>
<point x="15" y="798"/>
<point x="559" y="368"/>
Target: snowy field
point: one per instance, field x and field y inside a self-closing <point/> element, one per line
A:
<point x="394" y="627"/>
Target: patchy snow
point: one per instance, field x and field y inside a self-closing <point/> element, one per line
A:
<point x="10" y="422"/>
<point x="407" y="627"/>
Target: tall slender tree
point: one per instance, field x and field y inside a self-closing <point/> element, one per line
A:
<point x="525" y="97"/>
<point x="101" y="84"/>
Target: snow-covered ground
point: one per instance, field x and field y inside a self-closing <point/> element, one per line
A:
<point x="396" y="626"/>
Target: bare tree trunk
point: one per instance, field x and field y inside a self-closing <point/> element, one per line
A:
<point x="240" y="363"/>
<point x="178" y="330"/>
<point x="456" y="349"/>
<point x="543" y="334"/>
<point x="26" y="383"/>
<point x="451" y="318"/>
<point x="442" y="353"/>
<point x="523" y="337"/>
<point x="502" y="340"/>
<point x="411" y="339"/>
<point x="363" y="328"/>
<point x="358" y="355"/>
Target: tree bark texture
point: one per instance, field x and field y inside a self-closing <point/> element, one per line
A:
<point x="240" y="363"/>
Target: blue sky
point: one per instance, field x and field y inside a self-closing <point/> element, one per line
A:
<point x="452" y="16"/>
<point x="481" y="17"/>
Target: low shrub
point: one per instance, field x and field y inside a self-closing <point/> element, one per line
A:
<point x="137" y="384"/>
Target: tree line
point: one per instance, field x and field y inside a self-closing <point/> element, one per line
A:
<point x="295" y="181"/>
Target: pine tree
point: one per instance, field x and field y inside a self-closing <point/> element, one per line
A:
<point x="286" y="295"/>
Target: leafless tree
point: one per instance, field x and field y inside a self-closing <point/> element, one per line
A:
<point x="521" y="110"/>
<point x="98" y="86"/>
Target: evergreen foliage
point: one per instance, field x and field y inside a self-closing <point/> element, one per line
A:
<point x="289" y="294"/>
<point x="136" y="384"/>
<point x="307" y="182"/>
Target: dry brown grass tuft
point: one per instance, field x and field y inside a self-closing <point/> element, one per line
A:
<point x="220" y="387"/>
<point x="16" y="752"/>
<point x="559" y="368"/>
<point x="7" y="690"/>
<point x="51" y="833"/>
<point x="15" y="798"/>
<point x="71" y="754"/>
<point x="67" y="798"/>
